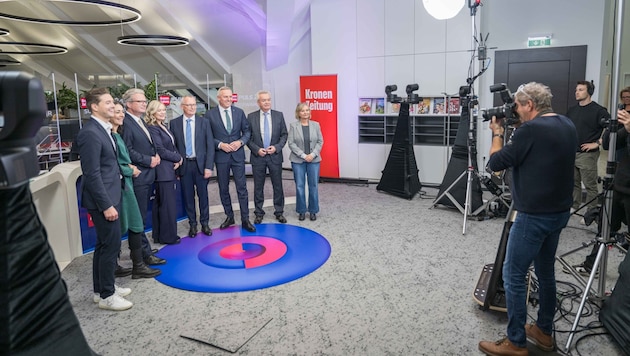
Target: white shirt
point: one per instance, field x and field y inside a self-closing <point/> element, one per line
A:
<point x="144" y="128"/>
<point x="108" y="128"/>
<point x="222" y="112"/>
<point x="262" y="124"/>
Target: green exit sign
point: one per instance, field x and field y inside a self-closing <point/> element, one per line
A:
<point x="539" y="41"/>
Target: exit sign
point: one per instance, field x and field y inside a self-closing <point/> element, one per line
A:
<point x="544" y="41"/>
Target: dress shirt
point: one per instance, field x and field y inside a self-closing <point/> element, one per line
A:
<point x="262" y="124"/>
<point x="141" y="123"/>
<point x="192" y="131"/>
<point x="108" y="128"/>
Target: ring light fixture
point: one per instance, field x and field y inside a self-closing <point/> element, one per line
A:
<point x="37" y="48"/>
<point x="4" y="32"/>
<point x="134" y="15"/>
<point x="153" y="40"/>
<point x="443" y="9"/>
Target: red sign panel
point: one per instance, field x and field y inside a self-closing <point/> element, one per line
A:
<point x="83" y="103"/>
<point x="165" y="99"/>
<point x="320" y="93"/>
<point x="234" y="98"/>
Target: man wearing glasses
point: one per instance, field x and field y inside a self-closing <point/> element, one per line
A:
<point x="144" y="155"/>
<point x="589" y="119"/>
<point x="194" y="141"/>
<point x="541" y="154"/>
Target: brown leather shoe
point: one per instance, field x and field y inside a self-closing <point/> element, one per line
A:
<point x="538" y="338"/>
<point x="502" y="347"/>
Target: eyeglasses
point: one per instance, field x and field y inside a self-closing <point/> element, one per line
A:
<point x="521" y="89"/>
<point x="189" y="104"/>
<point x="138" y="101"/>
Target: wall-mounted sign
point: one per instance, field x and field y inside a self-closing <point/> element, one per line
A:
<point x="234" y="98"/>
<point x="541" y="41"/>
<point x="165" y="99"/>
<point x="83" y="103"/>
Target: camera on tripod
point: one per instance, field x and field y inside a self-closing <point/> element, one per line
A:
<point x="506" y="111"/>
<point x="412" y="98"/>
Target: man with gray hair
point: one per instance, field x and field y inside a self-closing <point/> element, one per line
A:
<point x="541" y="153"/>
<point x="143" y="154"/>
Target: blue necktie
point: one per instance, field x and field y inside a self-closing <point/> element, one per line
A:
<point x="189" y="150"/>
<point x="267" y="136"/>
<point x="228" y="121"/>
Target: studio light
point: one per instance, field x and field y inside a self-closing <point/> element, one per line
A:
<point x="153" y="40"/>
<point x="4" y="32"/>
<point x="31" y="48"/>
<point x="443" y="9"/>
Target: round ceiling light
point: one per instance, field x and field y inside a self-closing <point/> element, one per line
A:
<point x="115" y="8"/>
<point x="32" y="48"/>
<point x="8" y="62"/>
<point x="153" y="41"/>
<point x="443" y="9"/>
<point x="4" y="32"/>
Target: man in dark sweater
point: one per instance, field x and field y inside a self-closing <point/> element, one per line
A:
<point x="541" y="154"/>
<point x="588" y="117"/>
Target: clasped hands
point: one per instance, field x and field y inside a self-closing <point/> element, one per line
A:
<point x="262" y="152"/>
<point x="231" y="147"/>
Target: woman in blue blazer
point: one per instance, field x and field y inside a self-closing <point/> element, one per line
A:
<point x="164" y="205"/>
<point x="305" y="141"/>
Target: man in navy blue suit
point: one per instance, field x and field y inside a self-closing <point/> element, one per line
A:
<point x="269" y="135"/>
<point x="101" y="195"/>
<point x="194" y="142"/>
<point x="143" y="154"/>
<point x="231" y="132"/>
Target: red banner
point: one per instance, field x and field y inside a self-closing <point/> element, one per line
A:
<point x="165" y="99"/>
<point x="320" y="93"/>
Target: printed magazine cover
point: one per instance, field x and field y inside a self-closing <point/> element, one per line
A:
<point x="453" y="105"/>
<point x="379" y="106"/>
<point x="424" y="106"/>
<point x="438" y="106"/>
<point x="365" y="106"/>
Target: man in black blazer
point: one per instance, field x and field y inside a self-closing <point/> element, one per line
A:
<point x="144" y="155"/>
<point x="231" y="132"/>
<point x="101" y="195"/>
<point x="269" y="135"/>
<point x="198" y="162"/>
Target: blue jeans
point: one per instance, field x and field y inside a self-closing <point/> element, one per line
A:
<point x="303" y="172"/>
<point x="533" y="237"/>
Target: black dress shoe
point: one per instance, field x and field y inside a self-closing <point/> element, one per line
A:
<point x="154" y="260"/>
<point x="174" y="242"/>
<point x="281" y="219"/>
<point x="122" y="271"/>
<point x="258" y="219"/>
<point x="192" y="232"/>
<point x="228" y="221"/>
<point x="313" y="217"/>
<point x="206" y="230"/>
<point x="301" y="217"/>
<point x="144" y="272"/>
<point x="248" y="226"/>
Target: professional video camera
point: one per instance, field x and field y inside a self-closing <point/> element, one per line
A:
<point x="507" y="110"/>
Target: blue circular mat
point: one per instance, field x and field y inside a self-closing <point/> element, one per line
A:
<point x="234" y="260"/>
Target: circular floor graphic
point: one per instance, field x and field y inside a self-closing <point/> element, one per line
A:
<point x="234" y="260"/>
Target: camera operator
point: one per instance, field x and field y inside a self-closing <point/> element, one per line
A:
<point x="588" y="118"/>
<point x="541" y="154"/>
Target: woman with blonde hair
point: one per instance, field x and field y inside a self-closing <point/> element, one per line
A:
<point x="164" y="212"/>
<point x="305" y="141"/>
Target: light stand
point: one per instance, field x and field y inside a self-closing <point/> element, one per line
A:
<point x="602" y="253"/>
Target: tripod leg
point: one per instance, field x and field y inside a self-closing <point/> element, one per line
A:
<point x="591" y="279"/>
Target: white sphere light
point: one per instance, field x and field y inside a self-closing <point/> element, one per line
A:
<point x="443" y="9"/>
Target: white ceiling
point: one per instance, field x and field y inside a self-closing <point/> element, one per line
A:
<point x="221" y="33"/>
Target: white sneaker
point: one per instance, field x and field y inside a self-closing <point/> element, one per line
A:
<point x="115" y="302"/>
<point x="121" y="291"/>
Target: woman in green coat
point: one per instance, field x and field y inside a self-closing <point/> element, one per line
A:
<point x="130" y="218"/>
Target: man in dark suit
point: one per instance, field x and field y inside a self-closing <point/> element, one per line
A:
<point x="194" y="142"/>
<point x="143" y="154"/>
<point x="101" y="195"/>
<point x="231" y="132"/>
<point x="269" y="135"/>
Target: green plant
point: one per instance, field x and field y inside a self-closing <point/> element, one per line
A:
<point x="66" y="98"/>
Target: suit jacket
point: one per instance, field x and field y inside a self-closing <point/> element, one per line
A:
<point x="101" y="183"/>
<point x="278" y="136"/>
<point x="296" y="141"/>
<point x="204" y="143"/>
<point x="164" y="172"/>
<point x="140" y="148"/>
<point x="240" y="131"/>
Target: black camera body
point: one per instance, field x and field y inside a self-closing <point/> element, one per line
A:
<point x="506" y="111"/>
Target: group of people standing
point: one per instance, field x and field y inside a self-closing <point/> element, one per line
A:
<point x="126" y="152"/>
